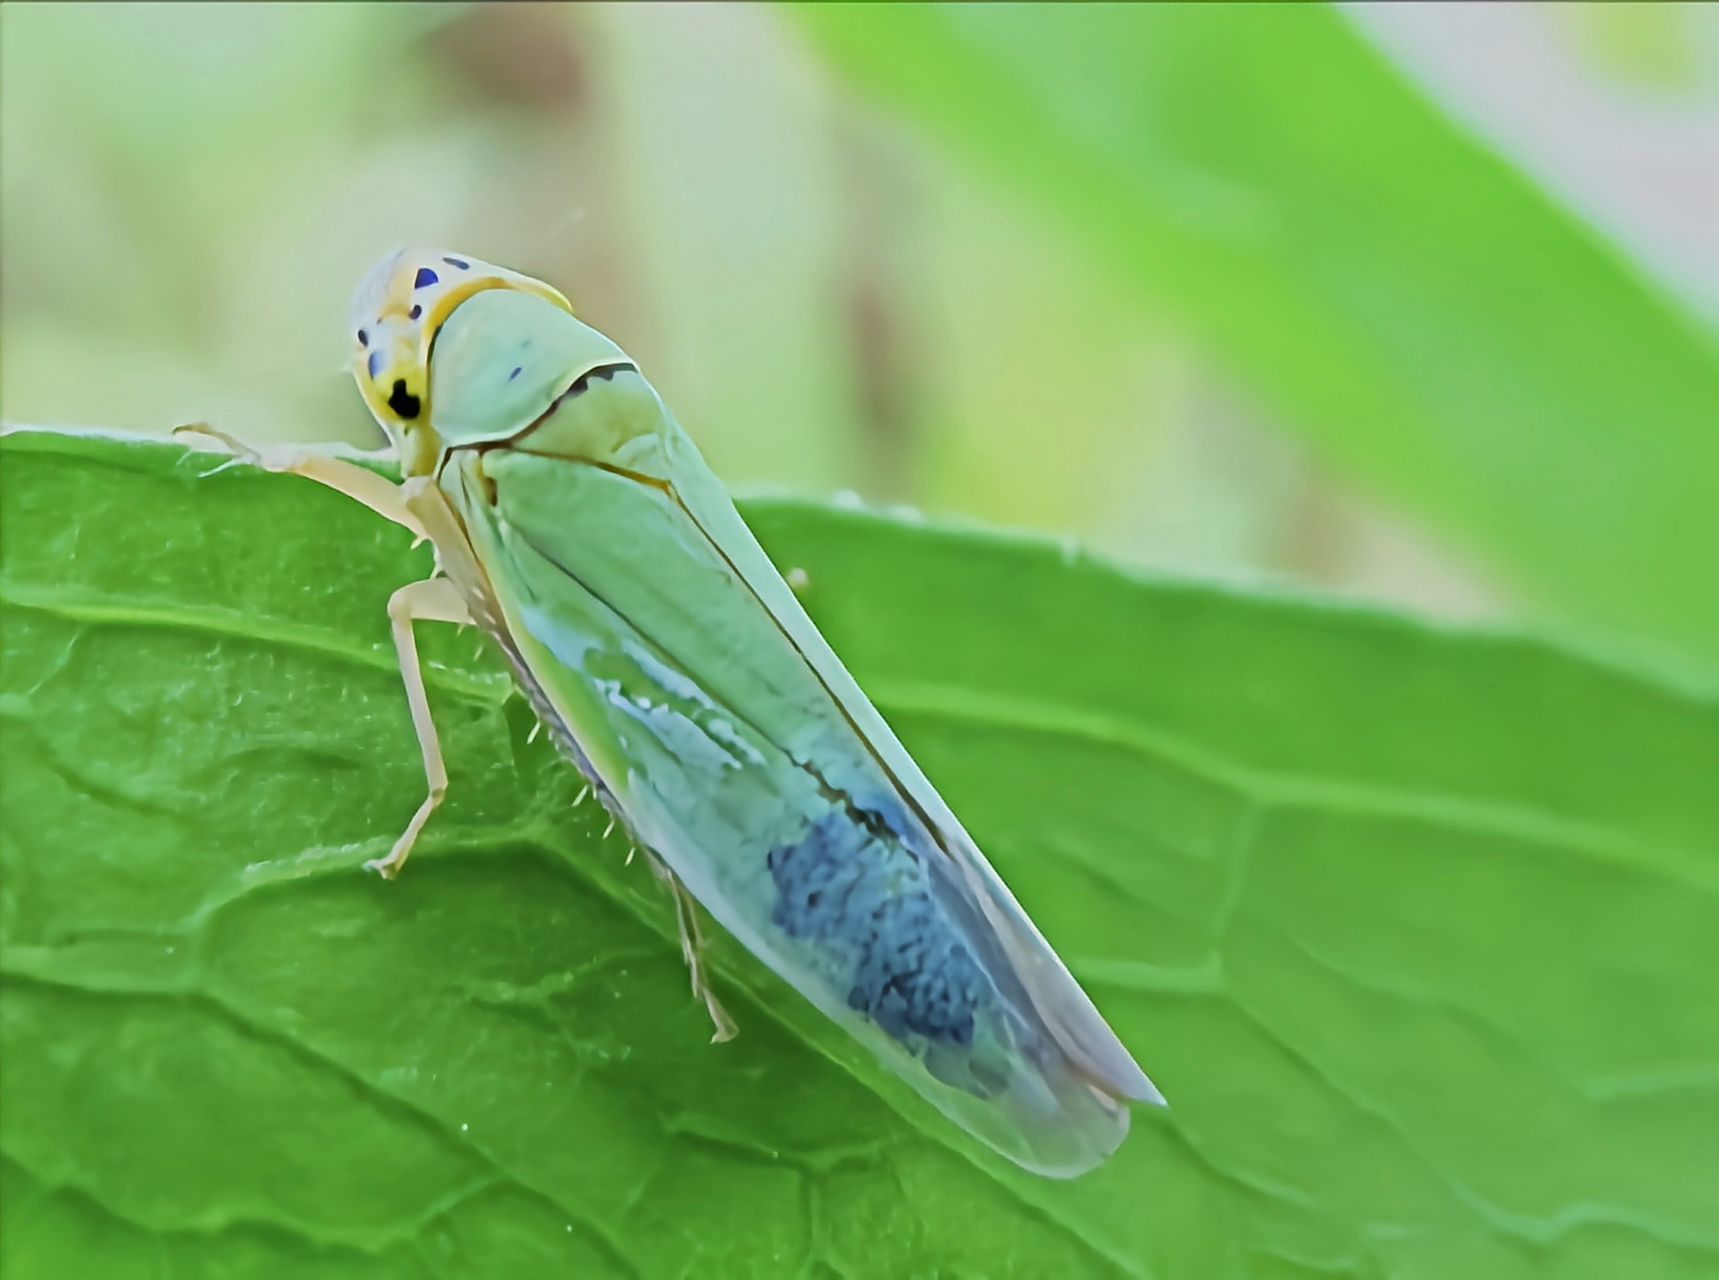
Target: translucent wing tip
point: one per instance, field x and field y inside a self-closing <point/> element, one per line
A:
<point x="1146" y="1091"/>
<point x="1120" y="1076"/>
<point x="1096" y="1054"/>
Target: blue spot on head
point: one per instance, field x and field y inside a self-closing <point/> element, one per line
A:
<point x="374" y="364"/>
<point x="425" y="278"/>
<point x="516" y="372"/>
<point x="455" y="262"/>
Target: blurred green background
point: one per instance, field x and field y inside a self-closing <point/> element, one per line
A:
<point x="1405" y="306"/>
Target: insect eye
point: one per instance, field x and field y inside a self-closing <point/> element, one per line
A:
<point x="363" y="338"/>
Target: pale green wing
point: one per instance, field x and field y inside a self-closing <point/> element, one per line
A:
<point x="667" y="456"/>
<point x="743" y="752"/>
<point x="1066" y="1009"/>
<point x="731" y="762"/>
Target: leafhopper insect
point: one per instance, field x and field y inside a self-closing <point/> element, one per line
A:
<point x="575" y="522"/>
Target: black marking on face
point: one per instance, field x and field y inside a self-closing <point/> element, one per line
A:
<point x="415" y="312"/>
<point x="517" y="370"/>
<point x="455" y="262"/>
<point x="402" y="401"/>
<point x="363" y="338"/>
<point x="424" y="279"/>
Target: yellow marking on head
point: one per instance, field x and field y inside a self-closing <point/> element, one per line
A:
<point x="397" y="311"/>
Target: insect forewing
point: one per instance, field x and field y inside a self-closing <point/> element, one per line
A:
<point x="739" y="747"/>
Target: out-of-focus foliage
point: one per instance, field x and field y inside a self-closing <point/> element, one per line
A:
<point x="1408" y="300"/>
<point x="838" y="293"/>
<point x="1415" y="928"/>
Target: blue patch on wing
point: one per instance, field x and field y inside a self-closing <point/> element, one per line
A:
<point x="853" y="886"/>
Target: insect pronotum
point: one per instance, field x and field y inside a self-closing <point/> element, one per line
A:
<point x="575" y="522"/>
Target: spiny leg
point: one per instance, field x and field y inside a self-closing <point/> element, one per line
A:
<point x="383" y="497"/>
<point x="692" y="949"/>
<point x="431" y="600"/>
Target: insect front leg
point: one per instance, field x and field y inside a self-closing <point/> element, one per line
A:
<point x="692" y="949"/>
<point x="382" y="496"/>
<point x="431" y="600"/>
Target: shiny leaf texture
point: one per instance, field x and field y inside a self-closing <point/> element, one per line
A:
<point x="1446" y="333"/>
<point x="1415" y="927"/>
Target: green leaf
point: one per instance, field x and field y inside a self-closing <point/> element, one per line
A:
<point x="1441" y="329"/>
<point x="1415" y="928"/>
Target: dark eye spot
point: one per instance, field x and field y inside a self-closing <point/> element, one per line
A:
<point x="455" y="262"/>
<point x="363" y="338"/>
<point x="425" y="278"/>
<point x="516" y="372"/>
<point x="402" y="401"/>
<point x="415" y="312"/>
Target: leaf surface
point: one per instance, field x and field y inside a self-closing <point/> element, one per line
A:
<point x="1416" y="928"/>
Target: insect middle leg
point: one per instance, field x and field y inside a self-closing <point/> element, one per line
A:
<point x="431" y="600"/>
<point x="692" y="949"/>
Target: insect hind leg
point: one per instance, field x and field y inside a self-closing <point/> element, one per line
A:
<point x="685" y="908"/>
<point x="692" y="948"/>
<point x="431" y="600"/>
